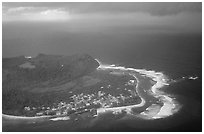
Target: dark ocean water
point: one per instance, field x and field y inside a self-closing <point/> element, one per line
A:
<point x="176" y="55"/>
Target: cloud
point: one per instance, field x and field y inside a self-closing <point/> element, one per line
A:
<point x="100" y="16"/>
<point x="35" y="14"/>
<point x="53" y="15"/>
<point x="162" y="9"/>
<point x="17" y="9"/>
<point x="53" y="11"/>
<point x="152" y="8"/>
<point x="155" y="9"/>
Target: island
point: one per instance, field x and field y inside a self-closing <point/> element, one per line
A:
<point x="79" y="87"/>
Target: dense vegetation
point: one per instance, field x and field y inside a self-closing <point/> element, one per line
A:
<point x="49" y="69"/>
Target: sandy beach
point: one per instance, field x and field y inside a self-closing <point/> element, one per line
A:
<point x="153" y="111"/>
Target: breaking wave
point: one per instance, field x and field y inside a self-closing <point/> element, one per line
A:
<point x="154" y="111"/>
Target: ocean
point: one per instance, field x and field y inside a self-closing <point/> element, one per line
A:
<point x="176" y="55"/>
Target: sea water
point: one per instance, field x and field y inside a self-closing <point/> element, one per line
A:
<point x="176" y="55"/>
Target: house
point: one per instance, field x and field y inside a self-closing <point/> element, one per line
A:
<point x="39" y="114"/>
<point x="27" y="108"/>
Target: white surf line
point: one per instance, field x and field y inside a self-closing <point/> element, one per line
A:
<point x="33" y="118"/>
<point x="60" y="118"/>
<point x="5" y="116"/>
<point x="126" y="108"/>
<point x="24" y="119"/>
<point x="169" y="104"/>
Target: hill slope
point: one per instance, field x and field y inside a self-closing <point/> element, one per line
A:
<point x="21" y="75"/>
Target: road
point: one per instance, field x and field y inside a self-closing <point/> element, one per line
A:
<point x="156" y="103"/>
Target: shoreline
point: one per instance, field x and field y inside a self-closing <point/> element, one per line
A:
<point x="5" y="116"/>
<point x="170" y="106"/>
<point x="8" y="120"/>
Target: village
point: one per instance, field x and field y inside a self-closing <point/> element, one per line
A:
<point x="88" y="103"/>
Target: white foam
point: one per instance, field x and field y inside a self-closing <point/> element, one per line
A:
<point x="13" y="117"/>
<point x="193" y="78"/>
<point x="60" y="118"/>
<point x="169" y="104"/>
<point x="28" y="57"/>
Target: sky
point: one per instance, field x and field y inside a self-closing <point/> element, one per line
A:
<point x="181" y="16"/>
<point x="40" y="21"/>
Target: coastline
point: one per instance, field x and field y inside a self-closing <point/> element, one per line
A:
<point x="170" y="106"/>
<point x="14" y="120"/>
<point x="8" y="117"/>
